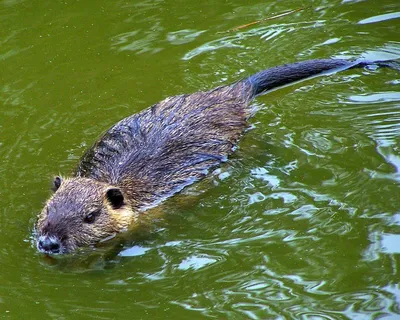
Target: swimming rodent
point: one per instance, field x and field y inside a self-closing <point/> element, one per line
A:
<point x="151" y="155"/>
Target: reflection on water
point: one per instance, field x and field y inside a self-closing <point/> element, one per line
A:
<point x="138" y="41"/>
<point x="390" y="243"/>
<point x="380" y="18"/>
<point x="183" y="36"/>
<point x="235" y="40"/>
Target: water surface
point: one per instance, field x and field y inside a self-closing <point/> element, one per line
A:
<point x="303" y="222"/>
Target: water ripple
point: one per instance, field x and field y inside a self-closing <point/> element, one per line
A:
<point x="380" y="18"/>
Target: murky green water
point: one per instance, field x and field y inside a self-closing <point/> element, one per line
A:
<point x="302" y="223"/>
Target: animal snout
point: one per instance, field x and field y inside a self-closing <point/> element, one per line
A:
<point x="48" y="244"/>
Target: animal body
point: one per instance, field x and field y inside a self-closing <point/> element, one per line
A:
<point x="151" y="155"/>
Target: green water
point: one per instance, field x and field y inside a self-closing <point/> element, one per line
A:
<point x="302" y="223"/>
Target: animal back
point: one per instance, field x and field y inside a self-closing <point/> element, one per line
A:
<point x="157" y="152"/>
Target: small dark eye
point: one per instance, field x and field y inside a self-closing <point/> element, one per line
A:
<point x="90" y="217"/>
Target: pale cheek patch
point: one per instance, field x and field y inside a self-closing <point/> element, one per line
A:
<point x="123" y="217"/>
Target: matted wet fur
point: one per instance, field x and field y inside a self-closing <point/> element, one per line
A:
<point x="149" y="156"/>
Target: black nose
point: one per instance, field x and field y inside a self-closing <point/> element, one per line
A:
<point x="48" y="244"/>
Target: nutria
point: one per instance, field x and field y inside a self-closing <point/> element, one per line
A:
<point x="149" y="156"/>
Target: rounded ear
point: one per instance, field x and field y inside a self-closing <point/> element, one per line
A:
<point x="115" y="197"/>
<point x="56" y="183"/>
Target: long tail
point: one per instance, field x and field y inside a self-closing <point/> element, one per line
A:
<point x="289" y="73"/>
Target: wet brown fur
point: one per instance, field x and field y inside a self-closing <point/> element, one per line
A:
<point x="171" y="144"/>
<point x="149" y="156"/>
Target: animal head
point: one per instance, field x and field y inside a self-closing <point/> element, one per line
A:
<point x="81" y="212"/>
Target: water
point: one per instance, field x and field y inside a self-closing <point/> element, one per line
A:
<point x="302" y="223"/>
